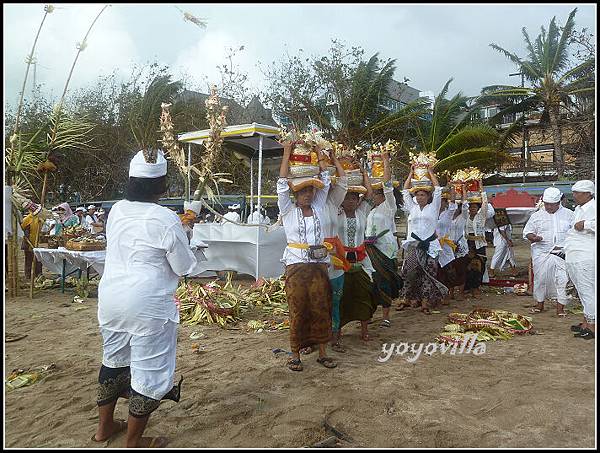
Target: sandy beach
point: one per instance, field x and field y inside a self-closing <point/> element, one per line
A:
<point x="530" y="391"/>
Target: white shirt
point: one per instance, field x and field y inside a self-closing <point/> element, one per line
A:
<point x="335" y="197"/>
<point x="422" y="222"/>
<point x="477" y="225"/>
<point x="89" y="219"/>
<point x="360" y="224"/>
<point x="443" y="230"/>
<point x="146" y="253"/>
<point x="457" y="235"/>
<point x="231" y="215"/>
<point x="582" y="244"/>
<point x="382" y="218"/>
<point x="256" y="218"/>
<point x="498" y="239"/>
<point x="551" y="227"/>
<point x="300" y="229"/>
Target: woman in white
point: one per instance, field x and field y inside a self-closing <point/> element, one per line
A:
<point x="458" y="238"/>
<point x="476" y="212"/>
<point x="358" y="301"/>
<point x="503" y="250"/>
<point x="448" y="208"/>
<point x="546" y="230"/>
<point x="306" y="258"/>
<point x="147" y="251"/>
<point x="381" y="244"/>
<point x="422" y="246"/>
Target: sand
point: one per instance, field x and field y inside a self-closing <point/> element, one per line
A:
<point x="531" y="391"/>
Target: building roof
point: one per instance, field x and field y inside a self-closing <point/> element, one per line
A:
<point x="402" y="92"/>
<point x="254" y="112"/>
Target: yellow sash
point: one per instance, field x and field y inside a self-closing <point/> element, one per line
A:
<point x="445" y="240"/>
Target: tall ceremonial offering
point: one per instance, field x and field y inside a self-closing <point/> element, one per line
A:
<point x="468" y="180"/>
<point x="422" y="161"/>
<point x="351" y="165"/>
<point x="304" y="161"/>
<point x="375" y="159"/>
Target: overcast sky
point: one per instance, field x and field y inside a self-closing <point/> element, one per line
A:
<point x="430" y="43"/>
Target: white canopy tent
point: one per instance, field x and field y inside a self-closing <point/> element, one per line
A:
<point x="245" y="140"/>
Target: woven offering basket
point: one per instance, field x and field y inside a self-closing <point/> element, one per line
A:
<point x="84" y="247"/>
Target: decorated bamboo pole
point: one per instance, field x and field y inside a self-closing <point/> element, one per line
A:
<point x="58" y="111"/>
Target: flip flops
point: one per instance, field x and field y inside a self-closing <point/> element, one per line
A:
<point x="295" y="365"/>
<point x="327" y="362"/>
<point x="577" y="327"/>
<point x="385" y="323"/>
<point x="122" y="427"/>
<point x="586" y="334"/>
<point x="535" y="310"/>
<point x="337" y="347"/>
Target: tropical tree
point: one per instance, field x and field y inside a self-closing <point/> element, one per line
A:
<point x="456" y="140"/>
<point x="555" y="86"/>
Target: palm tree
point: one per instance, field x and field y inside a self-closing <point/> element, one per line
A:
<point x="356" y="99"/>
<point x="553" y="84"/>
<point x="457" y="141"/>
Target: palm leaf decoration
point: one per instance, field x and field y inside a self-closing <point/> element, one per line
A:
<point x="144" y="118"/>
<point x="552" y="84"/>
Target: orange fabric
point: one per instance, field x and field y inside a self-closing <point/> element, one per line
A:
<point x="341" y="262"/>
<point x="188" y="218"/>
<point x="361" y="252"/>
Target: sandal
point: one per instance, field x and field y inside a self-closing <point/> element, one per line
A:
<point x="426" y="311"/>
<point x="307" y="350"/>
<point x="122" y="427"/>
<point x="586" y="334"/>
<point x="577" y="327"/>
<point x="337" y="347"/>
<point x="295" y="365"/>
<point x="561" y="315"/>
<point x="535" y="310"/>
<point x="327" y="362"/>
<point x="385" y="323"/>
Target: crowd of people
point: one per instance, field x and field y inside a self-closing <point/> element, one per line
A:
<point x="341" y="262"/>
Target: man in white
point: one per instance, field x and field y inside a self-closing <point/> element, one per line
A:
<point x="580" y="250"/>
<point x="80" y="212"/>
<point x="546" y="230"/>
<point x="258" y="218"/>
<point x="91" y="219"/>
<point x="147" y="251"/>
<point x="233" y="214"/>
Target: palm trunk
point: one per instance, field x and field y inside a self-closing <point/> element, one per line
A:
<point x="559" y="158"/>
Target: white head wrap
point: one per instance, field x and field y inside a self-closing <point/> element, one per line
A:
<point x="233" y="207"/>
<point x="80" y="209"/>
<point x="584" y="186"/>
<point x="551" y="195"/>
<point x="91" y="207"/>
<point x="139" y="167"/>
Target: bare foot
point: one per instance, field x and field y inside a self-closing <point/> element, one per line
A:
<point x="103" y="435"/>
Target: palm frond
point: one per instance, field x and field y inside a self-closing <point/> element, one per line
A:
<point x="470" y="136"/>
<point x="483" y="157"/>
<point x="560" y="59"/>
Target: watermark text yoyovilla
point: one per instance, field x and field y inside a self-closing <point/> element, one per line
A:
<point x="413" y="351"/>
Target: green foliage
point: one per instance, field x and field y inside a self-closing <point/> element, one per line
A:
<point x="555" y="83"/>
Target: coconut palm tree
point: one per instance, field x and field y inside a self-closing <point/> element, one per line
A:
<point x="553" y="84"/>
<point x="457" y="141"/>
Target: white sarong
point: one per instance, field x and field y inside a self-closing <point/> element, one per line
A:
<point x="583" y="275"/>
<point x="151" y="358"/>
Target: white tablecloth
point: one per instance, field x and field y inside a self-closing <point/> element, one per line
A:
<point x="52" y="259"/>
<point x="232" y="247"/>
